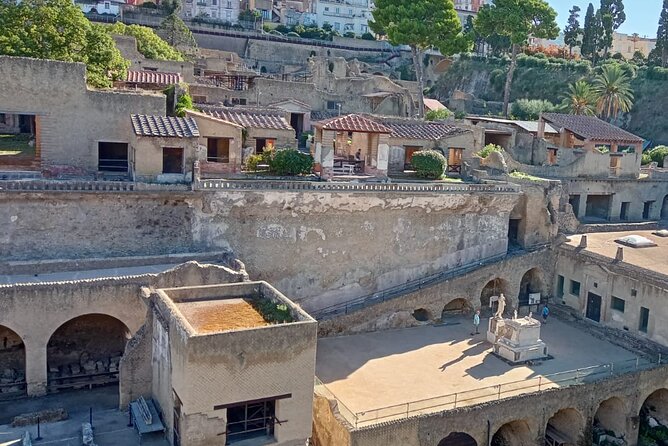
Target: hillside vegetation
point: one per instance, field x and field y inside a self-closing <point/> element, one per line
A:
<point x="548" y="79"/>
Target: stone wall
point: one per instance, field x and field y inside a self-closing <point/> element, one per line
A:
<point x="72" y="119"/>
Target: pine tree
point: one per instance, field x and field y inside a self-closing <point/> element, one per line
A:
<point x="662" y="35"/>
<point x="573" y="31"/>
<point x="588" y="38"/>
<point x="612" y="16"/>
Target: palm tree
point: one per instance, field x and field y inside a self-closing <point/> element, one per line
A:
<point x="613" y="91"/>
<point x="580" y="99"/>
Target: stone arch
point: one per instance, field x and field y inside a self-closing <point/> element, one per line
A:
<point x="610" y="417"/>
<point x="86" y="348"/>
<point x="564" y="427"/>
<point x="457" y="306"/>
<point x="422" y="315"/>
<point x="494" y="287"/>
<point x="664" y="208"/>
<point x="458" y="439"/>
<point x="514" y="433"/>
<point x="13" y="360"/>
<point x="654" y="411"/>
<point x="532" y="282"/>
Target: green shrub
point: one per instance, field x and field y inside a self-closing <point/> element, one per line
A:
<point x="291" y="162"/>
<point x="530" y="109"/>
<point x="184" y="103"/>
<point x="368" y="36"/>
<point x="460" y="115"/>
<point x="272" y="312"/>
<point x="657" y="155"/>
<point x="438" y="115"/>
<point x="252" y="162"/>
<point x="429" y="164"/>
<point x="489" y="148"/>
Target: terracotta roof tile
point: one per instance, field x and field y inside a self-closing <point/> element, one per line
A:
<point x="153" y="77"/>
<point x="353" y="123"/>
<point x="250" y="118"/>
<point x="164" y="126"/>
<point x="418" y="129"/>
<point x="590" y="127"/>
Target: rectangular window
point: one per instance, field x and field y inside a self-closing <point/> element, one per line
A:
<point x="350" y="12"/>
<point x="228" y="15"/>
<point x="617" y="304"/>
<point x="331" y="105"/>
<point x="326" y="8"/>
<point x="624" y="213"/>
<point x="214" y="2"/>
<point x="229" y="4"/>
<point x="363" y="28"/>
<point x="172" y="160"/>
<point x="560" y="286"/>
<point x="337" y="26"/>
<point x="647" y="210"/>
<point x="112" y="157"/>
<point x="251" y="420"/>
<point x="575" y="288"/>
<point x="644" y="319"/>
<point x="218" y="150"/>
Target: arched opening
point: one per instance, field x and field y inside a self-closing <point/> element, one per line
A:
<point x="531" y="284"/>
<point x="494" y="287"/>
<point x="421" y="315"/>
<point x="12" y="364"/>
<point x="84" y="351"/>
<point x="564" y="428"/>
<point x="456" y="307"/>
<point x="653" y="427"/>
<point x="609" y="420"/>
<point x="664" y="208"/>
<point x="458" y="439"/>
<point x="515" y="433"/>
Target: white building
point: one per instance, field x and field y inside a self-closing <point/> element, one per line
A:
<point x="112" y="7"/>
<point x="470" y="5"/>
<point x="344" y="15"/>
<point x="223" y="10"/>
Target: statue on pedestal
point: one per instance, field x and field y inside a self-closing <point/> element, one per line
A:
<point x="501" y="308"/>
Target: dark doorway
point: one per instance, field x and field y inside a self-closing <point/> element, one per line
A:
<point x="218" y="150"/>
<point x="513" y="232"/>
<point x="112" y="157"/>
<point x="647" y="210"/>
<point x="251" y="420"/>
<point x="262" y="144"/>
<point x="297" y="123"/>
<point x="598" y="207"/>
<point x="408" y="155"/>
<point x="644" y="319"/>
<point x="177" y="419"/>
<point x="172" y="160"/>
<point x="574" y="201"/>
<point x="560" y="286"/>
<point x="624" y="212"/>
<point x="664" y="208"/>
<point x="594" y="307"/>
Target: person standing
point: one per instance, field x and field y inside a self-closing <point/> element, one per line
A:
<point x="476" y="322"/>
<point x="546" y="313"/>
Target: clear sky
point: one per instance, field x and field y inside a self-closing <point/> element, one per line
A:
<point x="642" y="16"/>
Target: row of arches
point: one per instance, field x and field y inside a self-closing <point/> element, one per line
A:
<point x="85" y="350"/>
<point x="568" y="426"/>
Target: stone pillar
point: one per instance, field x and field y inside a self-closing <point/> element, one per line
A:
<point x="582" y="211"/>
<point x="35" y="367"/>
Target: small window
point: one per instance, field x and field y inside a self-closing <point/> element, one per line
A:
<point x="326" y="8"/>
<point x="634" y="292"/>
<point x="106" y="5"/>
<point x="229" y="4"/>
<point x="560" y="286"/>
<point x="575" y="288"/>
<point x="647" y="209"/>
<point x="331" y="105"/>
<point x="617" y="304"/>
<point x="172" y="160"/>
<point x="644" y="319"/>
<point x="214" y="2"/>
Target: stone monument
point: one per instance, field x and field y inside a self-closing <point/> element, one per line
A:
<point x="516" y="340"/>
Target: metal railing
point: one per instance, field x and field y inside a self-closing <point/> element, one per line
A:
<point x="222" y="184"/>
<point x="495" y="392"/>
<point x="394" y="292"/>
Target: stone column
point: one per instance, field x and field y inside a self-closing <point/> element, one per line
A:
<point x="35" y="367"/>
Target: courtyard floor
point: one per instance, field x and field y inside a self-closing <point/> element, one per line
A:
<point x="110" y="424"/>
<point x="390" y="368"/>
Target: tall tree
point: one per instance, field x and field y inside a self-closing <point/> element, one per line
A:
<point x="176" y="33"/>
<point x="612" y="17"/>
<point x="580" y="99"/>
<point x="613" y="91"/>
<point x="572" y="32"/>
<point x="420" y="24"/>
<point x="57" y="29"/>
<point x="588" y="37"/>
<point x="517" y="19"/>
<point x="662" y="35"/>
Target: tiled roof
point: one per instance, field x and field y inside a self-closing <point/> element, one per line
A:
<point x="164" y="126"/>
<point x="418" y="129"/>
<point x="433" y="104"/>
<point x="590" y="127"/>
<point x="322" y="115"/>
<point x="153" y="77"/>
<point x="529" y="126"/>
<point x="353" y="123"/>
<point x="250" y="118"/>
